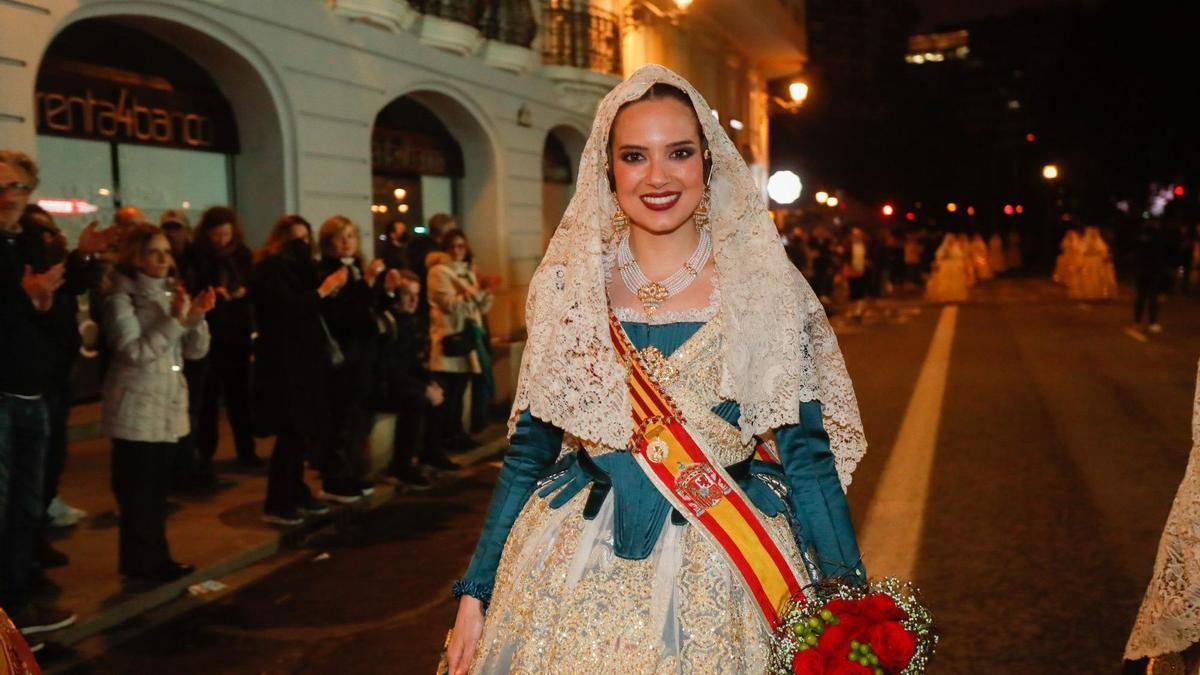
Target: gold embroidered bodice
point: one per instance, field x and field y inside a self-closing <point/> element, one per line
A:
<point x="691" y="376"/>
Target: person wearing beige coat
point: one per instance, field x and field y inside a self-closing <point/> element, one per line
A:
<point x="455" y="299"/>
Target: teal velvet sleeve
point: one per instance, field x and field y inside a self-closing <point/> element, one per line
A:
<point x="534" y="447"/>
<point x="816" y="496"/>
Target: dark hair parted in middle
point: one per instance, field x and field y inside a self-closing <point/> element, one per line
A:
<point x="657" y="92"/>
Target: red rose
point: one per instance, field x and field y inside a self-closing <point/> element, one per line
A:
<point x="842" y="607"/>
<point x="847" y="667"/>
<point x="879" y="608"/>
<point x="892" y="644"/>
<point x="835" y="641"/>
<point x="808" y="662"/>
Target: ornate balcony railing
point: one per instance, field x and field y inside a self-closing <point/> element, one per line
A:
<point x="574" y="34"/>
<point x="509" y="21"/>
<point x="462" y="11"/>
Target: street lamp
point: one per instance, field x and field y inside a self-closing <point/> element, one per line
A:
<point x="798" y="91"/>
<point x="1050" y="172"/>
<point x="821" y="196"/>
<point x="797" y="94"/>
<point x="832" y="202"/>
<point x="784" y="187"/>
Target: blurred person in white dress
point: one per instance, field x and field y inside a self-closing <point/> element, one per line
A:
<point x="950" y="277"/>
<point x="1094" y="278"/>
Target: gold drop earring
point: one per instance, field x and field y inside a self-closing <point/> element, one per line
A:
<point x="619" y="220"/>
<point x="700" y="216"/>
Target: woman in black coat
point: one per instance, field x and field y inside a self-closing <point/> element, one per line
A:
<point x="219" y="259"/>
<point x="353" y="317"/>
<point x="292" y="363"/>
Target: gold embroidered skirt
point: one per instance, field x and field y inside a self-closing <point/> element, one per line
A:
<point x="565" y="603"/>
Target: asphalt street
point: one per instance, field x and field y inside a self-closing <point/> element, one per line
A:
<point x="1058" y="443"/>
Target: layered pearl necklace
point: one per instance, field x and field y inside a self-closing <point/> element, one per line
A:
<point x="654" y="293"/>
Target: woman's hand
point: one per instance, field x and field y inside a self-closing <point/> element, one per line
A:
<point x="180" y="303"/>
<point x="333" y="283"/>
<point x="373" y="269"/>
<point x="392" y="280"/>
<point x="202" y="304"/>
<point x="468" y="626"/>
<point x="434" y="394"/>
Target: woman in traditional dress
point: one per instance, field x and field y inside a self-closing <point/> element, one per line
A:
<point x="979" y="258"/>
<point x="964" y="246"/>
<point x="949" y="280"/>
<point x="1168" y="626"/>
<point x="1094" y="277"/>
<point x="666" y="536"/>
<point x="996" y="258"/>
<point x="1067" y="262"/>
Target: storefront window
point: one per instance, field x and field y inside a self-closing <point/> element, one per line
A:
<point x="77" y="183"/>
<point x="154" y="179"/>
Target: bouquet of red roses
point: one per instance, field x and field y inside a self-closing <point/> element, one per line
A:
<point x="838" y="629"/>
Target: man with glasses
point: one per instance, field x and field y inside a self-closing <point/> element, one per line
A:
<point x="27" y="287"/>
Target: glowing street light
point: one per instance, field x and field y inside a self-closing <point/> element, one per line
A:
<point x="821" y="196"/>
<point x="951" y="207"/>
<point x="1050" y="171"/>
<point x="784" y="187"/>
<point x="831" y="202"/>
<point x="798" y="91"/>
<point x="888" y="210"/>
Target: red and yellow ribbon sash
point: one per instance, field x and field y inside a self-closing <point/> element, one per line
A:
<point x="678" y="464"/>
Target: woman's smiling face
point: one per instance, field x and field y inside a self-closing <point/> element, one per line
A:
<point x="657" y="163"/>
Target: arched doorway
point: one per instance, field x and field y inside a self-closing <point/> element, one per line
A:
<point x="147" y="112"/>
<point x="560" y="159"/>
<point x="433" y="147"/>
<point x="416" y="168"/>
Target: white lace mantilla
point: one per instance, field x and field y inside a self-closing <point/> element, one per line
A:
<point x="1169" y="620"/>
<point x="778" y="348"/>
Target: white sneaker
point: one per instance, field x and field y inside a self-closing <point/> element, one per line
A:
<point x="1155" y="328"/>
<point x="63" y="514"/>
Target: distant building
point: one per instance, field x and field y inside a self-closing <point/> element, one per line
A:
<point x="938" y="47"/>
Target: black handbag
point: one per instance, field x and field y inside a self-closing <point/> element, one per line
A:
<point x="458" y="344"/>
<point x="333" y="350"/>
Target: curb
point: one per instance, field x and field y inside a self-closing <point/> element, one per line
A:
<point x="177" y="591"/>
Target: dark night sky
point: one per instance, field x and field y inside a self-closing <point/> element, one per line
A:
<point x="936" y="13"/>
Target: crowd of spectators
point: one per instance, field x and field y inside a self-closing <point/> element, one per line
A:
<point x="849" y="266"/>
<point x="306" y="339"/>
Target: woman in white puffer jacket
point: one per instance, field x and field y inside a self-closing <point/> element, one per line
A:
<point x="151" y="326"/>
